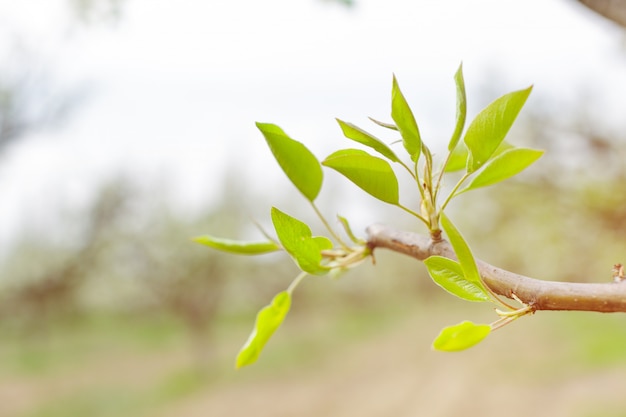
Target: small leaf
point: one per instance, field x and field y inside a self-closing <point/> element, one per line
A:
<point x="462" y="251"/>
<point x="405" y="121"/>
<point x="461" y="108"/>
<point x="458" y="159"/>
<point x="373" y="175"/>
<point x="348" y="230"/>
<point x="268" y="320"/>
<point x="489" y="128"/>
<point x="296" y="238"/>
<point x="461" y="336"/>
<point x="299" y="164"/>
<point x="448" y="274"/>
<point x="359" y="135"/>
<point x="503" y="166"/>
<point x="236" y="246"/>
<point x="383" y="124"/>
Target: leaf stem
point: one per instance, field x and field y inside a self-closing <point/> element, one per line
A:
<point x="454" y="190"/>
<point x="297" y="280"/>
<point x="327" y="226"/>
<point x="408" y="210"/>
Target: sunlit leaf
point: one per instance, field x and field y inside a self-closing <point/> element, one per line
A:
<point x="405" y="121"/>
<point x="448" y="274"/>
<point x="462" y="251"/>
<point x="458" y="159"/>
<point x="236" y="246"/>
<point x="297" y="240"/>
<point x="359" y="135"/>
<point x="503" y="166"/>
<point x="371" y="174"/>
<point x="383" y="124"/>
<point x="348" y="230"/>
<point x="461" y="336"/>
<point x="299" y="164"/>
<point x="461" y="109"/>
<point x="489" y="128"/>
<point x="268" y="320"/>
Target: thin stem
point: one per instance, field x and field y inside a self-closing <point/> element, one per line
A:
<point x="327" y="226"/>
<point x="408" y="210"/>
<point x="454" y="190"/>
<point x="440" y="177"/>
<point x="296" y="282"/>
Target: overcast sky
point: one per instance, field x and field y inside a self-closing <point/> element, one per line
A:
<point x="174" y="88"/>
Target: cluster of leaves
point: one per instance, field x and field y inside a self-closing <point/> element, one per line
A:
<point x="484" y="157"/>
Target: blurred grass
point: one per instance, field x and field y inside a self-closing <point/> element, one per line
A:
<point x="556" y="345"/>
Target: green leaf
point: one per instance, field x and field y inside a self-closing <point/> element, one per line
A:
<point x="489" y="128"/>
<point x="236" y="246"/>
<point x="405" y="121"/>
<point x="448" y="274"/>
<point x="359" y="135"/>
<point x="373" y="175"/>
<point x="268" y="320"/>
<point x="299" y="164"/>
<point x="503" y="166"/>
<point x="461" y="336"/>
<point x="296" y="238"/>
<point x="348" y="230"/>
<point x="462" y="251"/>
<point x="383" y="124"/>
<point x="461" y="108"/>
<point x="458" y="159"/>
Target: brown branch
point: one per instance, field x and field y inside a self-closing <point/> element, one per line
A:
<point x="609" y="297"/>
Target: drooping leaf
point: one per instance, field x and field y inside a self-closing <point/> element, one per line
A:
<point x="359" y="135"/>
<point x="461" y="336"/>
<point x="236" y="246"/>
<point x="462" y="251"/>
<point x="268" y="320"/>
<point x="299" y="164"/>
<point x="461" y="108"/>
<point x="448" y="274"/>
<point x="373" y="175"/>
<point x="405" y="121"/>
<point x="491" y="125"/>
<point x="503" y="166"/>
<point x="383" y="124"/>
<point x="297" y="240"/>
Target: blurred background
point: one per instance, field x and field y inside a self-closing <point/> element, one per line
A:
<point x="127" y="127"/>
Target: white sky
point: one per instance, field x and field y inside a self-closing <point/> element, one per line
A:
<point x="176" y="86"/>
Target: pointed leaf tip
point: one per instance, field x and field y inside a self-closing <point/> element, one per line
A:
<point x="297" y="162"/>
<point x="461" y="336"/>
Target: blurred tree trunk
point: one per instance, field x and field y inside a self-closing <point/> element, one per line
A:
<point x="614" y="10"/>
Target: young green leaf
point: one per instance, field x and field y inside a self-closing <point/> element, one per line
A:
<point x="268" y="320"/>
<point x="461" y="108"/>
<point x="462" y="251"/>
<point x="299" y="164"/>
<point x="373" y="175"/>
<point x="359" y="135"/>
<point x="489" y="128"/>
<point x="383" y="124"/>
<point x="503" y="166"/>
<point x="458" y="159"/>
<point x="405" y="121"/>
<point x="448" y="274"/>
<point x="461" y="336"/>
<point x="236" y="246"/>
<point x="296" y="238"/>
<point x="348" y="230"/>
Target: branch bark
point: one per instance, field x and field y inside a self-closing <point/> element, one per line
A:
<point x="607" y="297"/>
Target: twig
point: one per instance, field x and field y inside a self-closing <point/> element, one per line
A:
<point x="607" y="297"/>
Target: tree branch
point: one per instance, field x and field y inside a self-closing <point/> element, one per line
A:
<point x="540" y="295"/>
